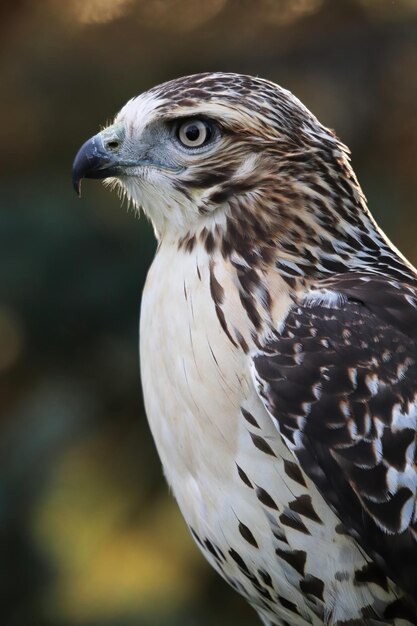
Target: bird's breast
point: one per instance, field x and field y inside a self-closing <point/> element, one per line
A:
<point x="194" y="372"/>
<point x="234" y="479"/>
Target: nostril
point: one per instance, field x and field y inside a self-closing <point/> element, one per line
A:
<point x="113" y="144"/>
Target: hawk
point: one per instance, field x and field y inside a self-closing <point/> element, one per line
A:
<point x="278" y="346"/>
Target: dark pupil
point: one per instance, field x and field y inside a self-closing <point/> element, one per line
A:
<point x="192" y="133"/>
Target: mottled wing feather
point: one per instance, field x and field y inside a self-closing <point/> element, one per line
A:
<point x="340" y="380"/>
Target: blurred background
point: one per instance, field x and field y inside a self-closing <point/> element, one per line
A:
<point x="89" y="535"/>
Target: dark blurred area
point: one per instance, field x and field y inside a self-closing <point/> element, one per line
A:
<point x="89" y="535"/>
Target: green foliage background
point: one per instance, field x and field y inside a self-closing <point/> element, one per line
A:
<point x="88" y="533"/>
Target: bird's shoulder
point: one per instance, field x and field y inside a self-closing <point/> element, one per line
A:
<point x="339" y="379"/>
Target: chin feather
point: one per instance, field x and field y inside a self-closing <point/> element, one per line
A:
<point x="124" y="194"/>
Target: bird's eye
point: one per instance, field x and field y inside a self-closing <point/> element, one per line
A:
<point x="194" y="133"/>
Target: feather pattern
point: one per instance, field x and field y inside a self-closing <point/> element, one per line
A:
<point x="278" y="352"/>
<point x="341" y="384"/>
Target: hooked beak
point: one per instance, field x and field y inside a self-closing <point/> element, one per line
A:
<point x="102" y="157"/>
<point x="97" y="158"/>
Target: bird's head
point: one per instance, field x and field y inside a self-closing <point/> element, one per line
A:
<point x="218" y="155"/>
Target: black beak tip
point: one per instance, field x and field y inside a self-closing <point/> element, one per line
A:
<point x="76" y="183"/>
<point x="82" y="165"/>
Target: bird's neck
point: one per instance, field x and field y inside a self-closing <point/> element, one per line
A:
<point x="308" y="221"/>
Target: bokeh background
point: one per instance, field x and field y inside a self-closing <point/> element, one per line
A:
<point x="89" y="535"/>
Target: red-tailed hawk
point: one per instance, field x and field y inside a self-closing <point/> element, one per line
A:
<point x="278" y="349"/>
